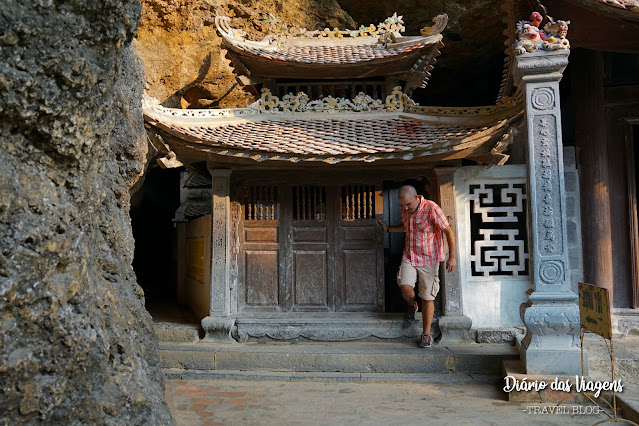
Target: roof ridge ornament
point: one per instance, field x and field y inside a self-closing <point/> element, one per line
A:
<point x="440" y="21"/>
<point x="397" y="101"/>
<point x="530" y="37"/>
<point x="386" y="32"/>
<point x="392" y="27"/>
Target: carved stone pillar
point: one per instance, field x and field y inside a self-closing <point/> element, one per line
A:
<point x="454" y="325"/>
<point x="219" y="323"/>
<point x="551" y="316"/>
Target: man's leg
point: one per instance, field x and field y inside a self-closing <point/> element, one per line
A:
<point x="408" y="294"/>
<point x="406" y="278"/>
<point x="428" y="289"/>
<point x="428" y="310"/>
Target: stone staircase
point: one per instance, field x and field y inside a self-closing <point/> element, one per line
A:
<point x="337" y="361"/>
<point x="185" y="354"/>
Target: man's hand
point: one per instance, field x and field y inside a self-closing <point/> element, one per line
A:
<point x="451" y="264"/>
<point x="384" y="225"/>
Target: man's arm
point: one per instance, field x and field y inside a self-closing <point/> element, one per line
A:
<point x="395" y="228"/>
<point x="451" y="263"/>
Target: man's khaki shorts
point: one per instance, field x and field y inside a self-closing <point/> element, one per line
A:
<point x="427" y="278"/>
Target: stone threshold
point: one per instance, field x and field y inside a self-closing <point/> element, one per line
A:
<point x="322" y="326"/>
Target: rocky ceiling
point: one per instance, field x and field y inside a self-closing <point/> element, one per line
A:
<point x="185" y="65"/>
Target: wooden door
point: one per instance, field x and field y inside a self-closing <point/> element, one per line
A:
<point x="310" y="264"/>
<point x="260" y="268"/>
<point x="360" y="255"/>
<point x="311" y="248"/>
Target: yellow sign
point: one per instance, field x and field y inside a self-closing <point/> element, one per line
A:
<point x="594" y="309"/>
<point x="195" y="259"/>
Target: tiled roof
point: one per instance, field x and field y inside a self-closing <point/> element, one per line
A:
<point x="334" y="130"/>
<point x="624" y="9"/>
<point x="192" y="209"/>
<point x="340" y="54"/>
<point x="195" y="180"/>
<point x="327" y="137"/>
<point x="335" y="140"/>
<point x="630" y="5"/>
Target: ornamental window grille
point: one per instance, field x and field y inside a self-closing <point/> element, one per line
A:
<point x="498" y="236"/>
<point x="260" y="203"/>
<point x="309" y="203"/>
<point x="358" y="202"/>
<point x="335" y="88"/>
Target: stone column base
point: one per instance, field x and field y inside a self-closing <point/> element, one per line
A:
<point x="547" y="361"/>
<point x="218" y="329"/>
<point x="551" y="344"/>
<point x="455" y="329"/>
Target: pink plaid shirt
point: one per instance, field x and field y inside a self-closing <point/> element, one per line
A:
<point x="424" y="244"/>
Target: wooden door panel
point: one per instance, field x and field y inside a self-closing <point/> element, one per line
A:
<point x="310" y="278"/>
<point x="259" y="256"/>
<point x="360" y="279"/>
<point x="260" y="235"/>
<point x="359" y="249"/>
<point x="363" y="233"/>
<point x="310" y="249"/>
<point x="262" y="278"/>
<point x="309" y="234"/>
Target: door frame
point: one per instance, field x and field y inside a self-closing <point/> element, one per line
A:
<point x="631" y="127"/>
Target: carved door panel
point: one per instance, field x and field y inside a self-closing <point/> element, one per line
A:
<point x="310" y="265"/>
<point x="360" y="255"/>
<point x="259" y="268"/>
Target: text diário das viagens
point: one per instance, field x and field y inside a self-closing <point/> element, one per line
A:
<point x="580" y="385"/>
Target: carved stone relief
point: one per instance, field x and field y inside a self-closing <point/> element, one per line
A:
<point x="548" y="204"/>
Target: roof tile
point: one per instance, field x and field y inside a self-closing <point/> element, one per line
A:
<point x="349" y="54"/>
<point x="326" y="137"/>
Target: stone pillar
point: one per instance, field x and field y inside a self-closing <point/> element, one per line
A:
<point x="219" y="323"/>
<point x="455" y="327"/>
<point x="551" y="316"/>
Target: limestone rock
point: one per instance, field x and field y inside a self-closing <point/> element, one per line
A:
<point x="180" y="47"/>
<point x="181" y="51"/>
<point x="76" y="344"/>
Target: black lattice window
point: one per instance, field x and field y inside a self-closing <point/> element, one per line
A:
<point x="498" y="237"/>
<point x="309" y="203"/>
<point x="260" y="203"/>
<point x="358" y="202"/>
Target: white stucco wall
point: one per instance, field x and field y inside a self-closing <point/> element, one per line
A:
<point x="490" y="301"/>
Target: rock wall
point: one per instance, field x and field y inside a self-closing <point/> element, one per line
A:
<point x="469" y="70"/>
<point x="180" y="47"/>
<point x="185" y="66"/>
<point x="76" y="344"/>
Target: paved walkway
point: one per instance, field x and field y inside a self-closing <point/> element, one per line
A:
<point x="228" y="402"/>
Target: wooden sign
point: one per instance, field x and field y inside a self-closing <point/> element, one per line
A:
<point x="594" y="309"/>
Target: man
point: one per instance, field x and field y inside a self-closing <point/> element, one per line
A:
<point x="423" y="221"/>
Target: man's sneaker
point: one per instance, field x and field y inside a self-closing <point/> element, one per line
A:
<point x="410" y="312"/>
<point x="426" y="341"/>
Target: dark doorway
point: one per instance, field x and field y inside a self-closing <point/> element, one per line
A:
<point x="394" y="242"/>
<point x="155" y="256"/>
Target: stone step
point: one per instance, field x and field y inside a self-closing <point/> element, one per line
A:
<point x="354" y="358"/>
<point x="177" y="333"/>
<point x="180" y="374"/>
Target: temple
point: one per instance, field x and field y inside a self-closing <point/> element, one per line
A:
<point x="277" y="227"/>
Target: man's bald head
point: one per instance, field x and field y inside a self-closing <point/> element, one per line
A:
<point x="407" y="191"/>
<point x="407" y="197"/>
